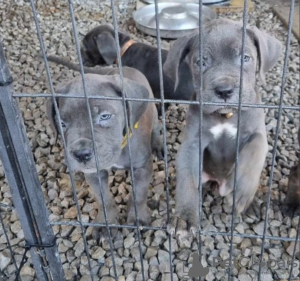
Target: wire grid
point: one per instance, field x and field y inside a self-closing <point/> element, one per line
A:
<point x="162" y="102"/>
<point x="7" y="241"/>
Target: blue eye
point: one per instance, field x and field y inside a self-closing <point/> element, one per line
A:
<point x="105" y="117"/>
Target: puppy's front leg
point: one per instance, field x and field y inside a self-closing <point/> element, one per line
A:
<point x="251" y="161"/>
<point x="110" y="204"/>
<point x="142" y="179"/>
<point x="292" y="199"/>
<point x="186" y="218"/>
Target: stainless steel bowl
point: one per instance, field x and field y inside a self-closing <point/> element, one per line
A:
<point x="204" y="2"/>
<point x="175" y="19"/>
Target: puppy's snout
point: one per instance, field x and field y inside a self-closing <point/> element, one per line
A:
<point x="83" y="155"/>
<point x="224" y="91"/>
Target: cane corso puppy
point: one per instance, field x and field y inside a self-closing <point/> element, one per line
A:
<point x="111" y="145"/>
<point x="99" y="47"/>
<point x="221" y="64"/>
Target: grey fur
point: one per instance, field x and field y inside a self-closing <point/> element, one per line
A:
<point x="109" y="134"/>
<point x="221" y="75"/>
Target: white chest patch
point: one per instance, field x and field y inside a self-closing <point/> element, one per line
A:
<point x="227" y="128"/>
<point x="115" y="166"/>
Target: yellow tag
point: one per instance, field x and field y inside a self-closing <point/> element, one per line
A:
<point x="124" y="141"/>
<point x="229" y="115"/>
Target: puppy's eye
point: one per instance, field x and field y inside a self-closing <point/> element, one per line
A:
<point x="198" y="62"/>
<point x="104" y="117"/>
<point x="63" y="124"/>
<point x="247" y="58"/>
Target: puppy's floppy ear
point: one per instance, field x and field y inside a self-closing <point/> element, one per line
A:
<point x="63" y="88"/>
<point x="177" y="54"/>
<point x="269" y="50"/>
<point x="132" y="89"/>
<point x="135" y="109"/>
<point x="51" y="116"/>
<point x="107" y="47"/>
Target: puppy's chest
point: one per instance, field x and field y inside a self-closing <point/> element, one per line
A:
<point x="222" y="140"/>
<point x="123" y="162"/>
<point x="224" y="130"/>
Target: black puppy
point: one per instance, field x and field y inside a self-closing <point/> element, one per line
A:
<point x="99" y="48"/>
<point x="292" y="199"/>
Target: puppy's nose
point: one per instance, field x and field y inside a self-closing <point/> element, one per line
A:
<point x="83" y="155"/>
<point x="224" y="91"/>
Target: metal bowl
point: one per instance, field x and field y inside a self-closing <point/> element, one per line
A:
<point x="175" y="19"/>
<point x="204" y="2"/>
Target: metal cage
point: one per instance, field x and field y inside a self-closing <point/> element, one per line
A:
<point x="28" y="198"/>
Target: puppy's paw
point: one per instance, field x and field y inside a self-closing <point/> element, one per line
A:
<point x="144" y="216"/>
<point x="183" y="228"/>
<point x="291" y="209"/>
<point x="291" y="203"/>
<point x="243" y="199"/>
<point x="101" y="233"/>
<point x="158" y="150"/>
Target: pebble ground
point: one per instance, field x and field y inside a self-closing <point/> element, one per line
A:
<point x="18" y="33"/>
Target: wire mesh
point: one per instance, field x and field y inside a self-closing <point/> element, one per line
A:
<point x="162" y="101"/>
<point x="245" y="21"/>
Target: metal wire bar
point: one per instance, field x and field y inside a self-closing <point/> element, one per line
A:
<point x="206" y="233"/>
<point x="163" y="119"/>
<point x="43" y="49"/>
<point x="21" y="175"/>
<point x="163" y="101"/>
<point x="75" y="34"/>
<point x="127" y="133"/>
<point x="154" y="100"/>
<point x="294" y="251"/>
<point x="8" y="243"/>
<point x="245" y="20"/>
<point x="200" y="98"/>
<point x="280" y="110"/>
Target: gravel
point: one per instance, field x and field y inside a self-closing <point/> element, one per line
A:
<point x="17" y="30"/>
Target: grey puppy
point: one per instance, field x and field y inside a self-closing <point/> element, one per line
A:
<point x="221" y="75"/>
<point x="110" y="137"/>
<point x="292" y="200"/>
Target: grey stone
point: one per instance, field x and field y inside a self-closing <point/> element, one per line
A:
<point x="79" y="247"/>
<point x="259" y="228"/>
<point x="153" y="272"/>
<point x="167" y="277"/>
<point x="163" y="256"/>
<point x="98" y="254"/>
<point x="5" y="259"/>
<point x="128" y="242"/>
<point x="150" y="252"/>
<point x="164" y="267"/>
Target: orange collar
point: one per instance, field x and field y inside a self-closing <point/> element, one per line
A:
<point x="125" y="48"/>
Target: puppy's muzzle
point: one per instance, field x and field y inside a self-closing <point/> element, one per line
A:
<point x="224" y="87"/>
<point x="82" y="150"/>
<point x="224" y="91"/>
<point x="83" y="155"/>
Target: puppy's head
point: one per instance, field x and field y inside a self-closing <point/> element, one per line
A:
<point x="99" y="47"/>
<point x="222" y="48"/>
<point x="107" y="117"/>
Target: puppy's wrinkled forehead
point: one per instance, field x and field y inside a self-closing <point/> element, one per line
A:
<point x="76" y="107"/>
<point x="224" y="38"/>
